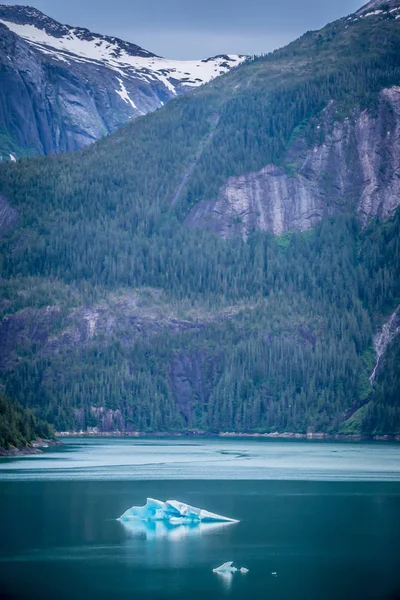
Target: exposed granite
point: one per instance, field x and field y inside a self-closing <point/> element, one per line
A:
<point x="357" y="164"/>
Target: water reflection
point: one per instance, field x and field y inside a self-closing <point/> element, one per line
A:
<point x="151" y="530"/>
<point x="226" y="579"/>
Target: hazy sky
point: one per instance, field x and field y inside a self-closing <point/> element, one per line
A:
<point x="199" y="28"/>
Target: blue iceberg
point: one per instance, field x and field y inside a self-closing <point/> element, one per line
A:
<point x="158" y="530"/>
<point x="228" y="568"/>
<point x="171" y="512"/>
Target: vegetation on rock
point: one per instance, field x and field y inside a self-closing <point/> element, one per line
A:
<point x="263" y="333"/>
<point x="19" y="427"/>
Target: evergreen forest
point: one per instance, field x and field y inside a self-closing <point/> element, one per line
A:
<point x="118" y="315"/>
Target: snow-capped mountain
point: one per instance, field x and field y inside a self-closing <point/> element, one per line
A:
<point x="379" y="5"/>
<point x="63" y="87"/>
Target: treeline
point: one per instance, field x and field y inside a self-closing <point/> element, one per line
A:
<point x="296" y="359"/>
<point x="19" y="426"/>
<point x="100" y="221"/>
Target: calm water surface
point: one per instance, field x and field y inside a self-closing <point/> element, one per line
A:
<point x="324" y="517"/>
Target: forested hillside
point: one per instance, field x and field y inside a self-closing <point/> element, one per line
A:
<point x="19" y="426"/>
<point x="123" y="310"/>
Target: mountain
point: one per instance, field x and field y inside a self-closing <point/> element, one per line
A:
<point x="383" y="6"/>
<point x="230" y="262"/>
<point x="64" y="87"/>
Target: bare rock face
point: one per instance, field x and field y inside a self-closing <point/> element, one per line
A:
<point x="268" y="200"/>
<point x="358" y="163"/>
<point x="379" y="157"/>
<point x="62" y="87"/>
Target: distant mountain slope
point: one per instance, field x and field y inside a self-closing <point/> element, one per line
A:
<point x="63" y="87"/>
<point x="135" y="298"/>
<point x="377" y="5"/>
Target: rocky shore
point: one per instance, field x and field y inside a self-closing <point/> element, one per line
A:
<point x="93" y="432"/>
<point x="35" y="447"/>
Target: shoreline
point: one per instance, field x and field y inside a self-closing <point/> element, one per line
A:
<point x="35" y="447"/>
<point x="38" y="446"/>
<point x="205" y="434"/>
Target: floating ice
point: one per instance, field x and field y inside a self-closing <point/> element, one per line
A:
<point x="228" y="568"/>
<point x="172" y="512"/>
<point x="156" y="530"/>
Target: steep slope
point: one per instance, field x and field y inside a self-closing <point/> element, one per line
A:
<point x="19" y="427"/>
<point x="124" y="308"/>
<point x="355" y="164"/>
<point x="377" y="5"/>
<point x="63" y="87"/>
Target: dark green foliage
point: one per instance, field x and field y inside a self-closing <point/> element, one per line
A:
<point x="19" y="426"/>
<point x="294" y="360"/>
<point x="379" y="284"/>
<point x="382" y="415"/>
<point x="112" y="218"/>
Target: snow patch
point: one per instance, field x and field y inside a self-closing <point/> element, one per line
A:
<point x="170" y="73"/>
<point x="374" y="12"/>
<point x="124" y="95"/>
<point x="12" y="158"/>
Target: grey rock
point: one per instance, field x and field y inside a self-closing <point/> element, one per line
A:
<point x="65" y="87"/>
<point x="358" y="164"/>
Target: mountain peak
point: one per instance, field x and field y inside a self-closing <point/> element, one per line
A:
<point x="63" y="43"/>
<point x="381" y="5"/>
<point x="34" y="19"/>
<point x="109" y="79"/>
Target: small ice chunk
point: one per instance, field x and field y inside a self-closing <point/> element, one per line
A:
<point x="274" y="574"/>
<point x="243" y="570"/>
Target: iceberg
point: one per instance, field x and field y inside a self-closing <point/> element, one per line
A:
<point x="157" y="530"/>
<point x="171" y="512"/>
<point x="228" y="568"/>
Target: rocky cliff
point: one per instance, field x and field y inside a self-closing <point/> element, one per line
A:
<point x="358" y="163"/>
<point x="63" y="87"/>
<point x="121" y="310"/>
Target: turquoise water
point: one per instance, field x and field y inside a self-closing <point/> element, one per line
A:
<point x="324" y="517"/>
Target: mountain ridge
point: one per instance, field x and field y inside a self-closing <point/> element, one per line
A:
<point x="378" y="4"/>
<point x="29" y="15"/>
<point x="243" y="333"/>
<point x="78" y="86"/>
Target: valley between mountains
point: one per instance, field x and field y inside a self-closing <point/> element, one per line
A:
<point x="227" y="263"/>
